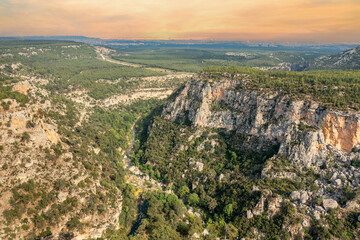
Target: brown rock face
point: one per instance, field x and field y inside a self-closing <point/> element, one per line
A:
<point x="51" y="135"/>
<point x="22" y="87"/>
<point x="343" y="132"/>
<point x="18" y="123"/>
<point x="218" y="94"/>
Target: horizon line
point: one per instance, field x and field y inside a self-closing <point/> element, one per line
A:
<point x="190" y="39"/>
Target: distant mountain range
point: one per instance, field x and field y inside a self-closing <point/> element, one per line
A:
<point x="349" y="59"/>
<point x="120" y="43"/>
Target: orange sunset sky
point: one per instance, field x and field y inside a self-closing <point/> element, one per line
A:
<point x="274" y="20"/>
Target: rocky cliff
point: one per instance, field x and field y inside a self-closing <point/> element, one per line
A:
<point x="270" y="117"/>
<point x="311" y="139"/>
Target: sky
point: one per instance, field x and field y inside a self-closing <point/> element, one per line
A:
<point x="257" y="20"/>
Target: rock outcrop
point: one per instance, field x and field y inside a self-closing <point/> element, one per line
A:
<point x="306" y="131"/>
<point x="314" y="147"/>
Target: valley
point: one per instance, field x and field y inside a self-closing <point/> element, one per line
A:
<point x="59" y="130"/>
<point x="174" y="143"/>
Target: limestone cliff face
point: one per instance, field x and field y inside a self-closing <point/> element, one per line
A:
<point x="342" y="131"/>
<point x="305" y="130"/>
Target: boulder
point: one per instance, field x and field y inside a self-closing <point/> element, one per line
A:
<point x="330" y="203"/>
<point x="301" y="196"/>
<point x="249" y="214"/>
<point x="352" y="206"/>
<point x="338" y="182"/>
<point x="259" y="208"/>
<point x="199" y="166"/>
<point x="221" y="176"/>
<point x="295" y="195"/>
<point x="304" y="197"/>
<point x="317" y="215"/>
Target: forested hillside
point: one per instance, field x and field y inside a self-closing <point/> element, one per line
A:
<point x="337" y="89"/>
<point x="349" y="59"/>
<point x="195" y="59"/>
<point x="99" y="145"/>
<point x="66" y="123"/>
<point x="259" y="155"/>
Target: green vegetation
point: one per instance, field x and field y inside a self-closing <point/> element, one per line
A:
<point x="214" y="174"/>
<point x="355" y="162"/>
<point x="7" y="92"/>
<point x="71" y="65"/>
<point x="194" y="59"/>
<point x="349" y="59"/>
<point x="86" y="73"/>
<point x="333" y="88"/>
<point x="163" y="212"/>
<point x="107" y="130"/>
<point x="222" y="203"/>
<point x="336" y="227"/>
<point x="231" y="181"/>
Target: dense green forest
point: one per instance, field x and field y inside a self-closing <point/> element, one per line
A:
<point x="68" y="66"/>
<point x="333" y="88"/>
<point x="194" y="59"/>
<point x="71" y="65"/>
<point x="223" y="190"/>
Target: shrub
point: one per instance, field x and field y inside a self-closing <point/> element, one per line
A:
<point x="5" y="166"/>
<point x="12" y="214"/>
<point x="81" y="184"/>
<point x="183" y="191"/>
<point x="30" y="124"/>
<point x="25" y="137"/>
<point x="74" y="223"/>
<point x="330" y="189"/>
<point x="25" y="227"/>
<point x="60" y="184"/>
<point x="193" y="199"/>
<point x="355" y="162"/>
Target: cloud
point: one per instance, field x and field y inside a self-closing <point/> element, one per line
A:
<point x="201" y="19"/>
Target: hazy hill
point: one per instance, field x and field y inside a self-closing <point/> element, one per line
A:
<point x="349" y="59"/>
<point x="138" y="43"/>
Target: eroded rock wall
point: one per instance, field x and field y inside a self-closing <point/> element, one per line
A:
<point x="304" y="129"/>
